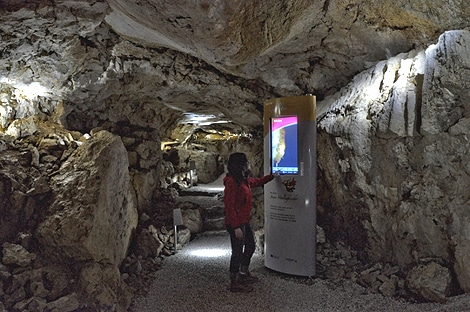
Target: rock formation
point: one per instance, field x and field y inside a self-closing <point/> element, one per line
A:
<point x="393" y="155"/>
<point x="105" y="105"/>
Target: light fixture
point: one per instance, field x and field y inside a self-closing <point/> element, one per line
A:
<point x="201" y="119"/>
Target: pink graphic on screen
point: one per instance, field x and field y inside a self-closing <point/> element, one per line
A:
<point x="284" y="157"/>
<point x="282" y="122"/>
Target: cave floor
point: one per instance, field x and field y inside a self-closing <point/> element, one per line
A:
<point x="196" y="279"/>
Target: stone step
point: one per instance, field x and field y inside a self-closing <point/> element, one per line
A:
<point x="212" y="213"/>
<point x="214" y="224"/>
<point x="210" y="198"/>
<point x="203" y="190"/>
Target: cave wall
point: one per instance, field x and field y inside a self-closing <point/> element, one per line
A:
<point x="392" y="150"/>
<point x="392" y="144"/>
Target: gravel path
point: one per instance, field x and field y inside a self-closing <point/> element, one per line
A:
<point x="196" y="279"/>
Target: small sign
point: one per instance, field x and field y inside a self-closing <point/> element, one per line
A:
<point x="177" y="217"/>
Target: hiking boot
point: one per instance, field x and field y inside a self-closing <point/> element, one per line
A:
<point x="236" y="284"/>
<point x="247" y="278"/>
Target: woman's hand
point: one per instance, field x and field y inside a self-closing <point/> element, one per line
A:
<point x="239" y="233"/>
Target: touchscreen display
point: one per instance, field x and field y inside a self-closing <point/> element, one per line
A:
<point x="284" y="151"/>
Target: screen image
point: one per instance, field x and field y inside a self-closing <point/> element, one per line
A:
<point x="284" y="151"/>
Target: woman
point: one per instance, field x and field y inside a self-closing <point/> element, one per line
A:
<point x="237" y="201"/>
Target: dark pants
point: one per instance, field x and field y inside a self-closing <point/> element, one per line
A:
<point x="242" y="249"/>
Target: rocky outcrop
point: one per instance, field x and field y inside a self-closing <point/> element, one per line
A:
<point x="93" y="213"/>
<point x="430" y="281"/>
<point x="294" y="47"/>
<point x="393" y="157"/>
<point x="67" y="200"/>
<point x="93" y="216"/>
<point x="189" y="166"/>
<point x="69" y="209"/>
<point x="392" y="145"/>
<point x="145" y="163"/>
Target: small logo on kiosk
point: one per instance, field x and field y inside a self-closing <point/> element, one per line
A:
<point x="290" y="184"/>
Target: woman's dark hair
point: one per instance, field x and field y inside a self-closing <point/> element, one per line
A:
<point x="237" y="165"/>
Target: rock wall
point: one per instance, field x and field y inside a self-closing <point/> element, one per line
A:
<point x="392" y="145"/>
<point x="93" y="214"/>
<point x="393" y="158"/>
<point x="206" y="166"/>
<point x="93" y="217"/>
<point x="68" y="218"/>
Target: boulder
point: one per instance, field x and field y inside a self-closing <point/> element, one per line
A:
<point x="207" y="165"/>
<point x="429" y="281"/>
<point x="93" y="216"/>
<point x="184" y="236"/>
<point x="20" y="128"/>
<point x="67" y="303"/>
<point x="148" y="243"/>
<point x="193" y="221"/>
<point x="17" y="255"/>
<point x="93" y="209"/>
<point x="103" y="284"/>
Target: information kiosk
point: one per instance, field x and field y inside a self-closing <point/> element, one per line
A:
<point x="290" y="199"/>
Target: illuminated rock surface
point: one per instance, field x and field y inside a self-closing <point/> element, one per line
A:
<point x="396" y="160"/>
<point x="391" y="81"/>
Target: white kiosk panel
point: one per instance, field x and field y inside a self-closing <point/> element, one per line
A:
<point x="290" y="200"/>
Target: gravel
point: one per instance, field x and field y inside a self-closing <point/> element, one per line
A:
<point x="196" y="279"/>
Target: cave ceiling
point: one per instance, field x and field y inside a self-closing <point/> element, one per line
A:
<point x="159" y="63"/>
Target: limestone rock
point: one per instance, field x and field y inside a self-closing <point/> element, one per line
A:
<point x="67" y="303"/>
<point x="17" y="255"/>
<point x="57" y="280"/>
<point x="31" y="289"/>
<point x="184" y="236"/>
<point x="389" y="286"/>
<point x="30" y="304"/>
<point x="93" y="208"/>
<point x="148" y="243"/>
<point x="212" y="64"/>
<point x="103" y="283"/>
<point x="21" y="128"/>
<point x="192" y="220"/>
<point x="22" y="191"/>
<point x="259" y="49"/>
<point x="429" y="281"/>
<point x="207" y="165"/>
<point x="92" y="218"/>
<point x="320" y="234"/>
<point x="386" y="157"/>
<point x="144" y="184"/>
<point x="148" y="153"/>
<point x="393" y="143"/>
<point x="37" y="289"/>
<point x="259" y="240"/>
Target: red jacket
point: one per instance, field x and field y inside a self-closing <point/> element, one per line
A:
<point x="238" y="199"/>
